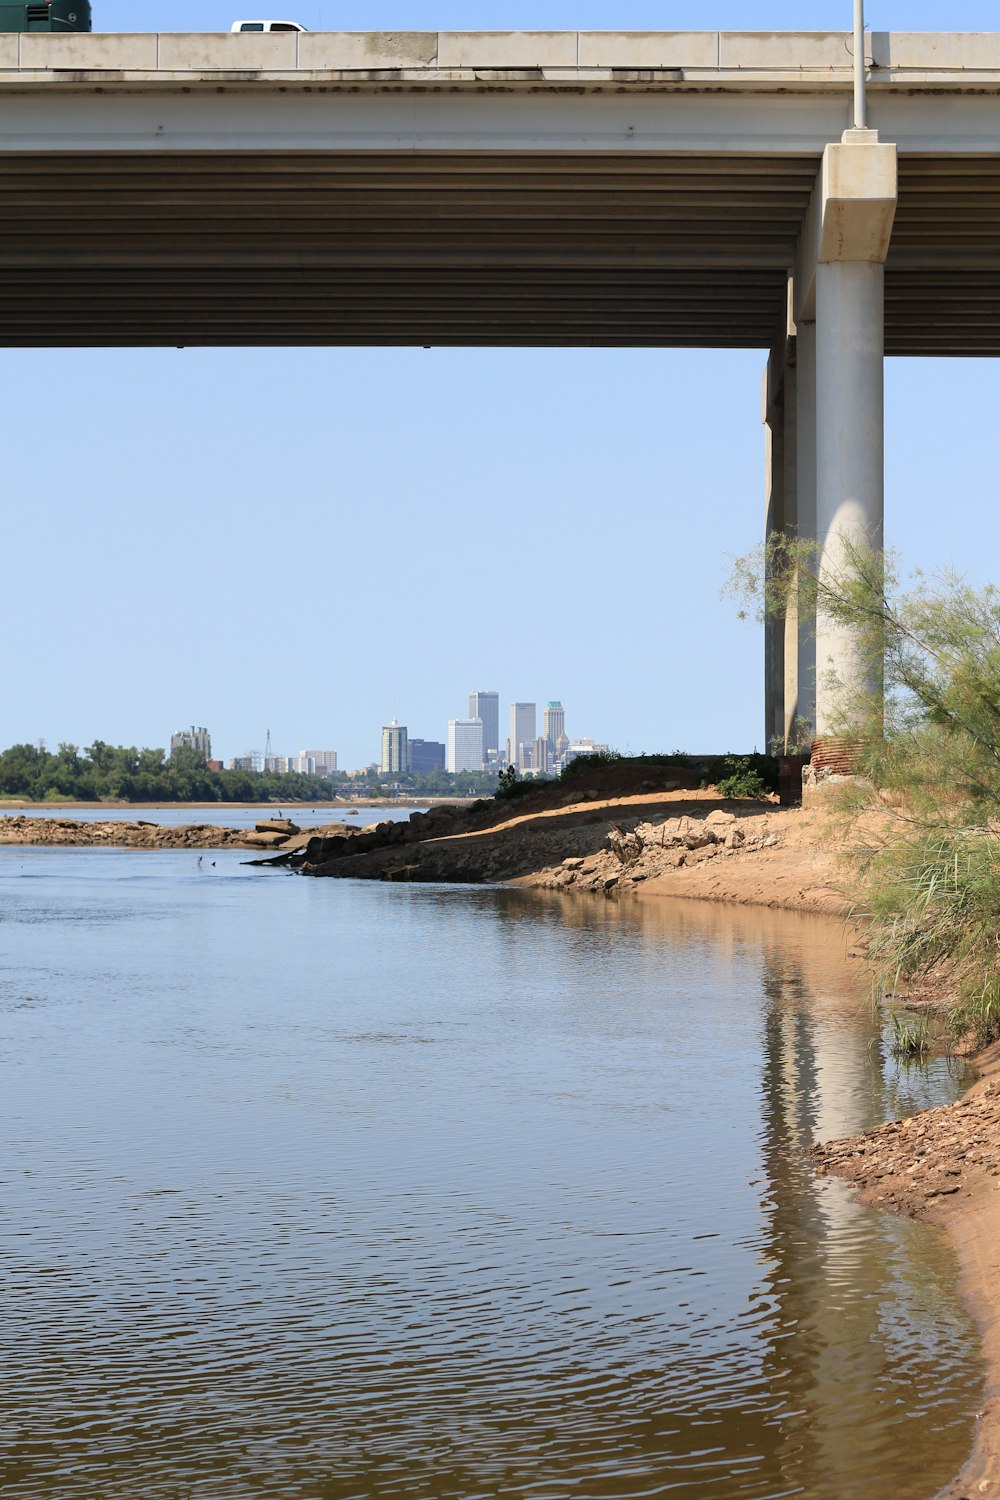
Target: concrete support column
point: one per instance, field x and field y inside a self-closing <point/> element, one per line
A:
<point x="775" y="502"/>
<point x="838" y="284"/>
<point x="804" y="715"/>
<point x="849" y="461"/>
<point x="790" y="652"/>
<point x="782" y="519"/>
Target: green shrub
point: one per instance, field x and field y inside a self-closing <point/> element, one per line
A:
<point x="743" y="779"/>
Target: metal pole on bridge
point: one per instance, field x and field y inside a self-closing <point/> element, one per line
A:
<point x="860" y="103"/>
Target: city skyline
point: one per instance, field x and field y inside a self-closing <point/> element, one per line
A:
<point x="398" y="746"/>
<point x="466" y="745"/>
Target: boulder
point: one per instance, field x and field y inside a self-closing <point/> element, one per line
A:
<point x="719" y="819"/>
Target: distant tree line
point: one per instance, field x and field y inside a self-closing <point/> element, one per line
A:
<point x="422" y="784"/>
<point x="124" y="774"/>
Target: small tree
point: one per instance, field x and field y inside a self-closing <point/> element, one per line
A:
<point x="930" y="753"/>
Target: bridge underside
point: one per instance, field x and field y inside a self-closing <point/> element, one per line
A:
<point x="452" y="248"/>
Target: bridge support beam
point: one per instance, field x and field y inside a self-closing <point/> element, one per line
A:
<point x="801" y="714"/>
<point x="839" y="288"/>
<point x="781" y="519"/>
<point x="790" y="511"/>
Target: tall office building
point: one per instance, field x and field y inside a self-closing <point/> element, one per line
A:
<point x="194" y="739"/>
<point x="426" y="756"/>
<point x="522" y="735"/>
<point x="553" y="725"/>
<point x="465" y="744"/>
<point x="393" y="749"/>
<point x="486" y="706"/>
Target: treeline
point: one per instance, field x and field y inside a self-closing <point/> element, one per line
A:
<point x="124" y="774"/>
<point x="422" y="784"/>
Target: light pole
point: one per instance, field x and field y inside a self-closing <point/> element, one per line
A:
<point x="860" y="104"/>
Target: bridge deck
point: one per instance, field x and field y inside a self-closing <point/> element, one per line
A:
<point x="474" y="188"/>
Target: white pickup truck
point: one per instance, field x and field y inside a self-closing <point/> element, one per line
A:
<point x="266" y="26"/>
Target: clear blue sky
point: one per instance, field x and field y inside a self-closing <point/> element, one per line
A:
<point x="317" y="541"/>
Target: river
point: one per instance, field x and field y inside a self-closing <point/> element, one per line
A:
<point x="325" y="1190"/>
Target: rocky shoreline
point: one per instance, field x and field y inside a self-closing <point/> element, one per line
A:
<point x="271" y="835"/>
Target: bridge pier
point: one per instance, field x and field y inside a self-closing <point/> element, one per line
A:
<point x="790" y="510"/>
<point x="849" y="469"/>
<point x="781" y="518"/>
<point x="833" y="382"/>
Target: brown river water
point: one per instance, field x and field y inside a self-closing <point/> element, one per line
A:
<point x="331" y="1191"/>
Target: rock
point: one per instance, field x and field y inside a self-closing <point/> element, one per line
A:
<point x="699" y="839"/>
<point x="277" y="825"/>
<point x="718" y="818"/>
<point x="572" y="864"/>
<point x="264" y="840"/>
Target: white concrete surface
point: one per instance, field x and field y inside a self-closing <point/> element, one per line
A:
<point x="730" y="59"/>
<point x="849" y="464"/>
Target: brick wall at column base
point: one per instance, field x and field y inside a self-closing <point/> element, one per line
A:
<point x="832" y="757"/>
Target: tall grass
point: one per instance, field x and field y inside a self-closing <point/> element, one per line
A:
<point x="934" y="908"/>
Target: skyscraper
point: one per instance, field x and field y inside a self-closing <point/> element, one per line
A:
<point x="522" y="735"/>
<point x="426" y="756"/>
<point x="486" y="706"/>
<point x="393" y="749"/>
<point x="465" y="744"/>
<point x="553" y="724"/>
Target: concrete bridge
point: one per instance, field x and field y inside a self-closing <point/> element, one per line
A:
<point x="580" y="188"/>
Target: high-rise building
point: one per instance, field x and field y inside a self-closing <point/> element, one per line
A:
<point x="426" y="756"/>
<point x="465" y="744"/>
<point x="553" y="725"/>
<point x="326" y="761"/>
<point x="486" y="706"/>
<point x="540" y="758"/>
<point x="198" y="740"/>
<point x="393" y="749"/>
<point x="522" y="735"/>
